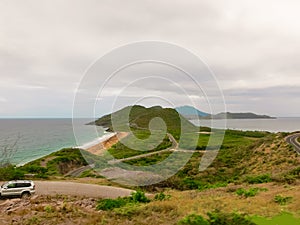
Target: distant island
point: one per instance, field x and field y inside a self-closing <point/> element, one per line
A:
<point x="190" y="112"/>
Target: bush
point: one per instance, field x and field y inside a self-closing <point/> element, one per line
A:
<point x="109" y="204"/>
<point x="216" y="218"/>
<point x="193" y="220"/>
<point x="10" y="172"/>
<point x="35" y="169"/>
<point x="249" y="193"/>
<point x="281" y="200"/>
<point x="211" y="186"/>
<point x="161" y="196"/>
<point x="139" y="196"/>
<point x="264" y="178"/>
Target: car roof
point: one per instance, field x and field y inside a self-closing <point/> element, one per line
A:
<point x="20" y="181"/>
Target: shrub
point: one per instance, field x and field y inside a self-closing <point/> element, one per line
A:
<point x="264" y="178"/>
<point x="109" y="204"/>
<point x="48" y="209"/>
<point x="250" y="192"/>
<point x="35" y="169"/>
<point x="10" y="172"/>
<point x="281" y="200"/>
<point x="193" y="220"/>
<point x="211" y="186"/>
<point x="216" y="218"/>
<point x="139" y="196"/>
<point x="161" y="196"/>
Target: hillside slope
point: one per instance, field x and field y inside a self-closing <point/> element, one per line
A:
<point x="139" y="117"/>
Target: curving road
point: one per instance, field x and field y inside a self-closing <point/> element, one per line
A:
<point x="293" y="140"/>
<point x="174" y="147"/>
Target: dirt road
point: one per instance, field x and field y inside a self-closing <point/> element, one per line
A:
<point x="79" y="189"/>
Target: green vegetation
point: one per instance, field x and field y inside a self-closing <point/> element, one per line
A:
<point x="57" y="163"/>
<point x="120" y="150"/>
<point x="281" y="200"/>
<point x="283" y="218"/>
<point x="150" y="160"/>
<point x="140" y="117"/>
<point x="216" y="218"/>
<point x="243" y="155"/>
<point x="259" y="179"/>
<point x="251" y="192"/>
<point x="10" y="172"/>
<point x="229" y="115"/>
<point x="110" y="204"/>
<point x="193" y="219"/>
<point x="228" y="167"/>
<point x="161" y="196"/>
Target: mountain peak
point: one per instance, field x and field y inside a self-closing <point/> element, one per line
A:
<point x="188" y="111"/>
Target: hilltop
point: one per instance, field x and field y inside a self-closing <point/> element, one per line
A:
<point x="140" y="117"/>
<point x="248" y="115"/>
<point x="190" y="112"/>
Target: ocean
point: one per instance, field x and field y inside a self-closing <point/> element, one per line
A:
<point x="30" y="139"/>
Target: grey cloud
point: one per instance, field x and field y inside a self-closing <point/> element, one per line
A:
<point x="46" y="46"/>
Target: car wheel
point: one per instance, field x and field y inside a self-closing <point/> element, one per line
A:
<point x="25" y="195"/>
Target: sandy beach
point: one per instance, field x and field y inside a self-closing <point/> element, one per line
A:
<point x="100" y="148"/>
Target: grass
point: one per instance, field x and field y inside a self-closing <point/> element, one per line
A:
<point x="150" y="160"/>
<point x="110" y="204"/>
<point x="282" y="200"/>
<point x="259" y="179"/>
<point x="57" y="163"/>
<point x="216" y="218"/>
<point x="243" y="158"/>
<point x="283" y="218"/>
<point x="260" y="209"/>
<point x="120" y="150"/>
<point x="250" y="192"/>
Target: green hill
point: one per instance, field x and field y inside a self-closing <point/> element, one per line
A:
<point x="190" y="112"/>
<point x="139" y="117"/>
<point x="229" y="115"/>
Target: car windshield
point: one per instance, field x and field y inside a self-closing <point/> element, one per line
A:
<point x="4" y="185"/>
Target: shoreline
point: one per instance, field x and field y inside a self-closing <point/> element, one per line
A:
<point x="95" y="146"/>
<point x="96" y="141"/>
<point x="105" y="143"/>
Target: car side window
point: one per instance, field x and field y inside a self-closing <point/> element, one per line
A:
<point x="23" y="185"/>
<point x="13" y="185"/>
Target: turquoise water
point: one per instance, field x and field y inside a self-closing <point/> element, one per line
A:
<point x="35" y="138"/>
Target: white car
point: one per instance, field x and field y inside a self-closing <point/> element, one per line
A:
<point x="17" y="188"/>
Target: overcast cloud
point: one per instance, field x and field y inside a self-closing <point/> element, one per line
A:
<point x="252" y="47"/>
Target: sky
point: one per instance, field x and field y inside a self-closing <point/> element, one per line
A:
<point x="46" y="47"/>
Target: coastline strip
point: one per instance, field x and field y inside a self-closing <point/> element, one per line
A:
<point x="100" y="147"/>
